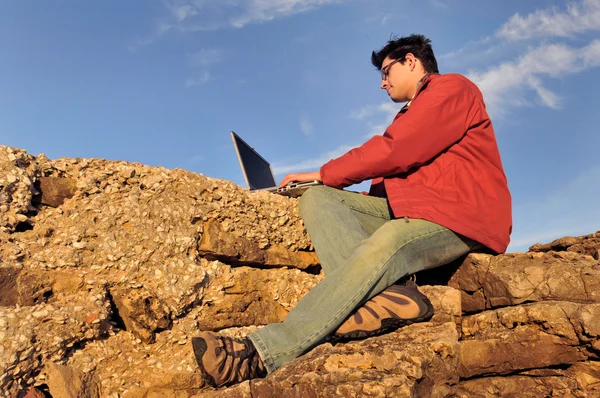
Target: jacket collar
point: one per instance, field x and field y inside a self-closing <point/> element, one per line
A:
<point x="421" y="84"/>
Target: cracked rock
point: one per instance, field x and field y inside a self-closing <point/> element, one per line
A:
<point x="494" y="281"/>
<point x="537" y="335"/>
<point x="67" y="382"/>
<point x="587" y="244"/>
<point x="579" y="380"/>
<point x="415" y="361"/>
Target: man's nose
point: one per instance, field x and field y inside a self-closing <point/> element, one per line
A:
<point x="384" y="84"/>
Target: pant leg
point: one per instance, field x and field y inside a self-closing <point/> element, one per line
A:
<point x="337" y="221"/>
<point x="394" y="250"/>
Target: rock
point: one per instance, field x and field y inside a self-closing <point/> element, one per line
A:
<point x="55" y="190"/>
<point x="28" y="287"/>
<point x="33" y="287"/>
<point x="277" y="256"/>
<point x="587" y="244"/>
<point x="18" y="170"/>
<point x="67" y="382"/>
<point x="125" y="364"/>
<point x="493" y="281"/>
<point x="236" y="250"/>
<point x="531" y="336"/>
<point x="34" y="393"/>
<point x="415" y="361"/>
<point x="173" y="385"/>
<point x="579" y="380"/>
<point x="446" y="303"/>
<point x="227" y="302"/>
<point x="175" y="252"/>
<point x="142" y="313"/>
<point x="32" y="336"/>
<point x="159" y="392"/>
<point x="9" y="292"/>
<point x="245" y="296"/>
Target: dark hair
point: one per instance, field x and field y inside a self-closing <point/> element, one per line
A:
<point x="397" y="48"/>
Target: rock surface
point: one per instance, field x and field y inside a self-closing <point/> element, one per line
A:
<point x="501" y="341"/>
<point x="68" y="382"/>
<point x="55" y="190"/>
<point x="579" y="380"/>
<point x="416" y="361"/>
<point x="495" y="281"/>
<point x="108" y="268"/>
<point x="588" y="244"/>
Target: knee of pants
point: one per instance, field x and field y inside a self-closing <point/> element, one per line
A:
<point x="314" y="198"/>
<point x="384" y="243"/>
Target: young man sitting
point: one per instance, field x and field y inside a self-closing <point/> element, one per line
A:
<point x="438" y="192"/>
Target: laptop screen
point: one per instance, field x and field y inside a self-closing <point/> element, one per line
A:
<point x="256" y="169"/>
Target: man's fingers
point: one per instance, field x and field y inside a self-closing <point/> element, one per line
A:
<point x="299" y="177"/>
<point x="286" y="180"/>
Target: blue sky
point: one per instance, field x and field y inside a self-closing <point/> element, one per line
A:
<point x="163" y="82"/>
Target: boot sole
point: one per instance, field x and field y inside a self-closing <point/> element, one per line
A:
<point x="200" y="347"/>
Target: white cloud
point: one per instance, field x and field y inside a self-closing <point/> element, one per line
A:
<point x="388" y="108"/>
<point x="180" y="11"/>
<point x="376" y="117"/>
<point x="570" y="210"/>
<point x="206" y="57"/>
<point x="509" y="82"/>
<point x="473" y="51"/>
<point x="439" y="4"/>
<point x="381" y="19"/>
<point x="311" y="164"/>
<point x="203" y="59"/>
<point x="202" y="15"/>
<point x="579" y="17"/>
<point x="306" y="125"/>
<point x="265" y="10"/>
<point x="204" y="78"/>
<point x="383" y="112"/>
<point x="591" y="55"/>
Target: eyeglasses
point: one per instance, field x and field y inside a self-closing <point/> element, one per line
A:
<point x="386" y="71"/>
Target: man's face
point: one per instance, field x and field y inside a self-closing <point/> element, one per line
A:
<point x="400" y="79"/>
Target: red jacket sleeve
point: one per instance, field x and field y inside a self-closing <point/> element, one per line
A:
<point x="436" y="119"/>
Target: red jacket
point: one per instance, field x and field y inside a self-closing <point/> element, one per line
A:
<point x="437" y="161"/>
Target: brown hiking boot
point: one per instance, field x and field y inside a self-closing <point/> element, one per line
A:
<point x="397" y="306"/>
<point x="225" y="360"/>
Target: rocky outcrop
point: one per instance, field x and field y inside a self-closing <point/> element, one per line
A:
<point x="495" y="281"/>
<point x="419" y="361"/>
<point x="132" y="251"/>
<point x="33" y="336"/>
<point x="217" y="244"/>
<point x="503" y="341"/>
<point x="107" y="269"/>
<point x="17" y="170"/>
<point x="579" y="380"/>
<point x="588" y="244"/>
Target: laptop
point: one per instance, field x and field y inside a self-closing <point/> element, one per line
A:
<point x="258" y="174"/>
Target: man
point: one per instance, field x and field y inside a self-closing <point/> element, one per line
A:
<point x="438" y="192"/>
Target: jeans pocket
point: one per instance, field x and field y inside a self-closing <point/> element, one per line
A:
<point x="372" y="206"/>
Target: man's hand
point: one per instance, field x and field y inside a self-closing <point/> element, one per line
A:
<point x="300" y="177"/>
